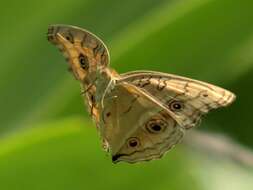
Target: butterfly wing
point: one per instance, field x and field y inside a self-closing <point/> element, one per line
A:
<point x="136" y="127"/>
<point x="84" y="51"/>
<point x="186" y="99"/>
<point x="145" y="113"/>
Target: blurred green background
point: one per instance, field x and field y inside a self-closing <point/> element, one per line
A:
<point x="47" y="140"/>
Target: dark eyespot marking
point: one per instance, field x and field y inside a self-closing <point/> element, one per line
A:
<point x="108" y="114"/>
<point x="204" y="93"/>
<point x="176" y="106"/>
<point x="84" y="62"/>
<point x="133" y="142"/>
<point x="156" y="125"/>
<point x="92" y="99"/>
<point x="69" y="37"/>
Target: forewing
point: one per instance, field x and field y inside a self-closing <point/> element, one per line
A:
<point x="83" y="50"/>
<point x="85" y="53"/>
<point x="186" y="99"/>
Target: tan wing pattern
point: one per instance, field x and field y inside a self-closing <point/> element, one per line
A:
<point x="86" y="54"/>
<point x="140" y="115"/>
<point x="187" y="99"/>
<point x="83" y="50"/>
<point x="135" y="127"/>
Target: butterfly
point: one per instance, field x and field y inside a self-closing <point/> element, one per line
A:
<point x="140" y="115"/>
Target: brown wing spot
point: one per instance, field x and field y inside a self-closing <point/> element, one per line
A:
<point x="204" y="94"/>
<point x="84" y="62"/>
<point x="156" y="126"/>
<point x="104" y="57"/>
<point x="161" y="84"/>
<point x="69" y="37"/>
<point x="108" y="114"/>
<point x="175" y="105"/>
<point x="133" y="142"/>
<point x="144" y="81"/>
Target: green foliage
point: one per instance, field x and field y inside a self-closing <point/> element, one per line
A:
<point x="45" y="144"/>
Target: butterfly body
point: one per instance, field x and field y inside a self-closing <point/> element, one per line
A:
<point x="140" y="115"/>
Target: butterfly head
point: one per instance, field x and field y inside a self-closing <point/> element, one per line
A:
<point x="85" y="52"/>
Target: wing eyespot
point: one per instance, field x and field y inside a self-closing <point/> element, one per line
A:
<point x="92" y="97"/>
<point x="156" y="126"/>
<point x="69" y="37"/>
<point x="108" y="114"/>
<point x="84" y="62"/>
<point x="176" y="106"/>
<point x="133" y="142"/>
